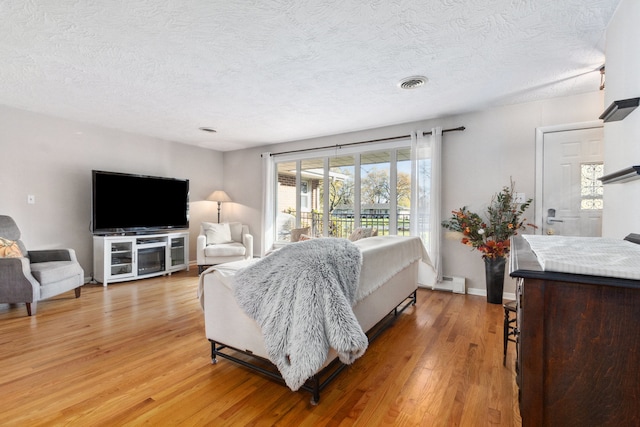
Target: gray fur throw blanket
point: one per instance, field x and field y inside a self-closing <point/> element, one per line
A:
<point x="302" y="297"/>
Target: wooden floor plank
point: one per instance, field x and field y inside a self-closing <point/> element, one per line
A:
<point x="135" y="353"/>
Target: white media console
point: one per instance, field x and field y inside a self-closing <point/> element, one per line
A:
<point x="121" y="258"/>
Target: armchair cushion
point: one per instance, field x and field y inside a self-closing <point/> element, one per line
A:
<point x="9" y="249"/>
<point x="297" y="232"/>
<point x="363" y="233"/>
<point x="55" y="271"/>
<point x="217" y="233"/>
<point x="46" y="255"/>
<point x="225" y="249"/>
<point x="9" y="230"/>
<point x="236" y="231"/>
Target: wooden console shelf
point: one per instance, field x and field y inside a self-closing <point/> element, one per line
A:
<point x="120" y="258"/>
<point x="578" y="348"/>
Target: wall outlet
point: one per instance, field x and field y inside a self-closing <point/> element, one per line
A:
<point x="31" y="199"/>
<point x="520" y="198"/>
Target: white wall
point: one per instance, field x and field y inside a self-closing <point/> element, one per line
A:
<point x="498" y="143"/>
<point x="52" y="159"/>
<point x="621" y="214"/>
<point x="243" y="184"/>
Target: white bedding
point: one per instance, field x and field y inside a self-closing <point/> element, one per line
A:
<point x="594" y="256"/>
<point x="381" y="263"/>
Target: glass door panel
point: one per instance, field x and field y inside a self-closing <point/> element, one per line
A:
<point x="121" y="258"/>
<point x="341" y="196"/>
<point x="403" y="190"/>
<point x="311" y="195"/>
<point x="375" y="191"/>
<point x="177" y="251"/>
<point x="285" y="201"/>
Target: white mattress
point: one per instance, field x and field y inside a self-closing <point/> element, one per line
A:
<point x="593" y="256"/>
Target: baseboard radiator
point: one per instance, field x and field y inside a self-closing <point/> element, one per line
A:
<point x="453" y="284"/>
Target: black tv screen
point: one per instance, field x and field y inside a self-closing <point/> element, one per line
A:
<point x="126" y="203"/>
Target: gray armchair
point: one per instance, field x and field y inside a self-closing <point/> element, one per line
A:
<point x="36" y="275"/>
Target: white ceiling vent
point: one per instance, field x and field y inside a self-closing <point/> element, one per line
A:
<point x="412" y="82"/>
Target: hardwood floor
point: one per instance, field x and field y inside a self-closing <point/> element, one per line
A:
<point x="135" y="353"/>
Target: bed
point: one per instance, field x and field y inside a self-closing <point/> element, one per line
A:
<point x="386" y="285"/>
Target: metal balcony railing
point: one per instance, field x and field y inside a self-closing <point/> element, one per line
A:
<point x="342" y="225"/>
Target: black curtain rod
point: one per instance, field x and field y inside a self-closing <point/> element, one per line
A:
<point x="459" y="128"/>
<point x="394" y="138"/>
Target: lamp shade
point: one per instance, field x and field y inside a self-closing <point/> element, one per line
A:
<point x="219" y="196"/>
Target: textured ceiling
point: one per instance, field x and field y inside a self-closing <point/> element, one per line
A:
<point x="268" y="71"/>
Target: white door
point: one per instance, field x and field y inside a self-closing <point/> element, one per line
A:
<point x="571" y="191"/>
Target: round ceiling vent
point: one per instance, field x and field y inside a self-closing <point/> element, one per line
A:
<point x="206" y="129"/>
<point x="412" y="82"/>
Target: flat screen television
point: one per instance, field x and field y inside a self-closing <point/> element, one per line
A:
<point x="127" y="203"/>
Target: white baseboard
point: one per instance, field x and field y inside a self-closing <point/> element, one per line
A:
<point x="457" y="285"/>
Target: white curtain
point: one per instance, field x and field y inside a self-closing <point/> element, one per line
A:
<point x="415" y="187"/>
<point x="268" y="202"/>
<point x="425" y="207"/>
<point x="435" y="240"/>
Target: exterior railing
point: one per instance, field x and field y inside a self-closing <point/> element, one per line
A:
<point x="342" y="225"/>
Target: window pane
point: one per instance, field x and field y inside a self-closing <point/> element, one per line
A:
<point x="285" y="201"/>
<point x="375" y="191"/>
<point x="311" y="204"/>
<point x="591" y="188"/>
<point x="403" y="190"/>
<point x="341" y="196"/>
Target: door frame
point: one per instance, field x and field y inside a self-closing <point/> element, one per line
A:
<point x="540" y="133"/>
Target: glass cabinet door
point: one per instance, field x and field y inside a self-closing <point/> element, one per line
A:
<point x="122" y="258"/>
<point x="177" y="251"/>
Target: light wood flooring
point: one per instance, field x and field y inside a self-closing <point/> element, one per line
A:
<point x="135" y="353"/>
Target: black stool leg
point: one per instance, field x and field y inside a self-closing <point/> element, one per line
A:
<point x="505" y="336"/>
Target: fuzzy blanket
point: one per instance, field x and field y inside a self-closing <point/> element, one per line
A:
<point x="302" y="297"/>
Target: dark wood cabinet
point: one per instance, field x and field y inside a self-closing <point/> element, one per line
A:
<point x="579" y="346"/>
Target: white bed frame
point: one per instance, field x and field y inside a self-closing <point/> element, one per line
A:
<point x="230" y="330"/>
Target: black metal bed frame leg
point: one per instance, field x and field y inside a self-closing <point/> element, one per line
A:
<point x="214" y="357"/>
<point x="315" y="398"/>
<point x="414" y="300"/>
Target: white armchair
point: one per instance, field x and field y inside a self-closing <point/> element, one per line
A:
<point x="220" y="243"/>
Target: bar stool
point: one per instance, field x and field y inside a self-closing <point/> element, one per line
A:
<point x="510" y="327"/>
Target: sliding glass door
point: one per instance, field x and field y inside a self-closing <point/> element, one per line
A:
<point x="334" y="194"/>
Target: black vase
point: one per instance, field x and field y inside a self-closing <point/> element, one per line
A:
<point x="494" y="276"/>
